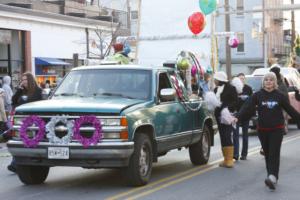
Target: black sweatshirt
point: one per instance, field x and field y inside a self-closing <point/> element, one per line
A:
<point x="269" y="106"/>
<point x="18" y="100"/>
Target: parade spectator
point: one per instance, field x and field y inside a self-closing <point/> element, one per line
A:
<point x="269" y="102"/>
<point x="3" y="116"/>
<point x="227" y="96"/>
<point x="242" y="97"/>
<point x="282" y="86"/>
<point x="8" y="94"/>
<point x="27" y="91"/>
<point x="47" y="84"/>
<point x="204" y="84"/>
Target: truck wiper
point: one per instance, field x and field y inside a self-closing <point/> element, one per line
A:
<point x="113" y="94"/>
<point x="68" y="94"/>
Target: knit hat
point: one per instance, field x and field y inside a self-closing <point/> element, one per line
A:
<point x="118" y="47"/>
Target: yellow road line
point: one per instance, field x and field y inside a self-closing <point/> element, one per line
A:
<point x="169" y="180"/>
<point x="150" y="185"/>
<point x="172" y="182"/>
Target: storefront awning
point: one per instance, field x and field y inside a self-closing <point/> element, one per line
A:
<point x="49" y="61"/>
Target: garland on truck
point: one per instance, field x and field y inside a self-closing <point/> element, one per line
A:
<point x="96" y="137"/>
<point x="73" y="130"/>
<point x="27" y="122"/>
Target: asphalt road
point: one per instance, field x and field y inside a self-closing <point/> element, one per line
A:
<point x="173" y="177"/>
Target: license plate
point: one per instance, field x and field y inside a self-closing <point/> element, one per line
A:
<point x="58" y="152"/>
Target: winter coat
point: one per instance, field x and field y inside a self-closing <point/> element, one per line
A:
<point x="228" y="99"/>
<point x="8" y="93"/>
<point x="3" y="117"/>
<point x="21" y="96"/>
<point x="247" y="92"/>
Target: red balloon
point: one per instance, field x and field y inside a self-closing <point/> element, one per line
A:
<point x="196" y="22"/>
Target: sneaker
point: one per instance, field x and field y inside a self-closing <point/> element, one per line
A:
<point x="236" y="158"/>
<point x="271" y="181"/>
<point x="243" y="157"/>
<point x="12" y="168"/>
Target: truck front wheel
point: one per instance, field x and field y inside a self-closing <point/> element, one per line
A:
<point x="200" y="151"/>
<point x="31" y="175"/>
<point x="140" y="165"/>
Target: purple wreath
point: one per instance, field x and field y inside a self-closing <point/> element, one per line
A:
<point x="28" y="121"/>
<point x="86" y="142"/>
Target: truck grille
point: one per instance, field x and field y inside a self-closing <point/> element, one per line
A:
<point x="86" y="130"/>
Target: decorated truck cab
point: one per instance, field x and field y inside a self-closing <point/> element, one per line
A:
<point x="112" y="116"/>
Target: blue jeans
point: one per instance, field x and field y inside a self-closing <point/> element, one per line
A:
<point x="236" y="141"/>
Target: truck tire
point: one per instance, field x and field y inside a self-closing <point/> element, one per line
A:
<point x="200" y="151"/>
<point x="140" y="164"/>
<point x="31" y="175"/>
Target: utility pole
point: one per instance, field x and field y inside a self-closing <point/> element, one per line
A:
<point x="228" y="49"/>
<point x="264" y="47"/>
<point x="293" y="31"/>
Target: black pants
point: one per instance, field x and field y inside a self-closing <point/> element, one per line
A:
<point x="271" y="144"/>
<point x="225" y="134"/>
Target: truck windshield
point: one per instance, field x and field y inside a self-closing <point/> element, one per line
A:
<point x="117" y="83"/>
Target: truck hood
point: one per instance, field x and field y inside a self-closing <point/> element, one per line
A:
<point x="86" y="105"/>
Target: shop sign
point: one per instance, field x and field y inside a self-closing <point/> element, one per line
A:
<point x="5" y="36"/>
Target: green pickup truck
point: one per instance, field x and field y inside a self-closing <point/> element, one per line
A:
<point x="111" y="116"/>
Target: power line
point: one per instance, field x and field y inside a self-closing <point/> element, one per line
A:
<point x="281" y="8"/>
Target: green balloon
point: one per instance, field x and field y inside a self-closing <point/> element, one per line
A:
<point x="208" y="6"/>
<point x="183" y="64"/>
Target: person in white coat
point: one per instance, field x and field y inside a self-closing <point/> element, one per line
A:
<point x="8" y="94"/>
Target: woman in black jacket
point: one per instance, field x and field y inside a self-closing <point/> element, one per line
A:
<point x="27" y="91"/>
<point x="269" y="102"/>
<point x="227" y="95"/>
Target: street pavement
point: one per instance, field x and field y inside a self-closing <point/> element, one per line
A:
<point x="173" y="177"/>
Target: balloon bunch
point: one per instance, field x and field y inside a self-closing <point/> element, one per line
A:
<point x="196" y="21"/>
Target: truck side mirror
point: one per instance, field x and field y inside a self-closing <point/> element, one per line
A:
<point x="167" y="94"/>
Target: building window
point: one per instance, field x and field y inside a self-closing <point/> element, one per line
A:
<point x="240" y="6"/>
<point x="134" y="15"/>
<point x="241" y="46"/>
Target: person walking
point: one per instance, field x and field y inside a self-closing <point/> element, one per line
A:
<point x="242" y="97"/>
<point x="269" y="103"/>
<point x="227" y="96"/>
<point x="27" y="91"/>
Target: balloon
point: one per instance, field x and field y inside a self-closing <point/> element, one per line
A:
<point x="196" y="22"/>
<point x="194" y="70"/>
<point x="233" y="41"/>
<point x="126" y="49"/>
<point x="207" y="6"/>
<point x="209" y="70"/>
<point x="183" y="64"/>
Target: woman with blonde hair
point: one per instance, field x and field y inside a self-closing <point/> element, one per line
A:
<point x="269" y="103"/>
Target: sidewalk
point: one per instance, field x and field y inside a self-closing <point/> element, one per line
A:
<point x="3" y="150"/>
